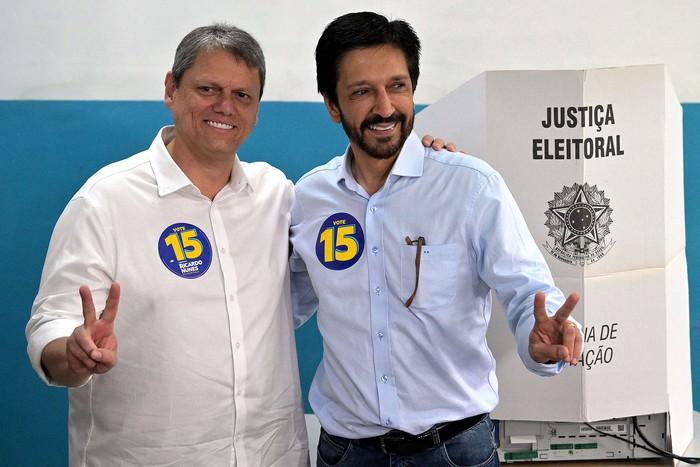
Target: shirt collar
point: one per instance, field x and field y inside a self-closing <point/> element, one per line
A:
<point x="408" y="164"/>
<point x="170" y="178"/>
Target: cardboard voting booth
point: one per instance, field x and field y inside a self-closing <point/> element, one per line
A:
<point x="594" y="160"/>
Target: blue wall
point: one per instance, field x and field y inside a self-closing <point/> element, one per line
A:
<point x="691" y="175"/>
<point x="47" y="151"/>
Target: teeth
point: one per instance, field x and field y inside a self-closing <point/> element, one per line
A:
<point x="383" y="128"/>
<point x="222" y="126"/>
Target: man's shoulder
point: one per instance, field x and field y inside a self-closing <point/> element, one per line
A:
<point x="322" y="172"/>
<point x="267" y="181"/>
<point x="113" y="175"/>
<point x="448" y="160"/>
<point x="260" y="169"/>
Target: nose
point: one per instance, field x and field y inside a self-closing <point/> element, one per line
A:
<point x="224" y="104"/>
<point x="383" y="105"/>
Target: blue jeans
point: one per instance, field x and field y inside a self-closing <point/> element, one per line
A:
<point x="475" y="447"/>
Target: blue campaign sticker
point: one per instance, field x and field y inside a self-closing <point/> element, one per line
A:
<point x="185" y="250"/>
<point x="340" y="242"/>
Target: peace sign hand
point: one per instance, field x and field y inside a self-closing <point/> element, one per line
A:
<point x="557" y="338"/>
<point x="92" y="347"/>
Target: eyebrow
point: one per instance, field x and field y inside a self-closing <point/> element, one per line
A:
<point x="364" y="82"/>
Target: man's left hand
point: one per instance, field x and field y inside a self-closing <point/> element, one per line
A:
<point x="557" y="338"/>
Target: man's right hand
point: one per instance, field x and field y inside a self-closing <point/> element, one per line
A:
<point x="90" y="349"/>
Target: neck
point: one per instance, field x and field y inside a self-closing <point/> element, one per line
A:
<point x="209" y="175"/>
<point x="370" y="172"/>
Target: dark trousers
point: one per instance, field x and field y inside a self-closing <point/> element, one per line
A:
<point x="474" y="447"/>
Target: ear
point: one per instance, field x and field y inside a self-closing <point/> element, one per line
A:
<point x="333" y="110"/>
<point x="170" y="89"/>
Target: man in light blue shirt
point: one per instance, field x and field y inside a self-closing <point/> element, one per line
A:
<point x="399" y="247"/>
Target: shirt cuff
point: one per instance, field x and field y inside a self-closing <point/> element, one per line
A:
<point x="41" y="336"/>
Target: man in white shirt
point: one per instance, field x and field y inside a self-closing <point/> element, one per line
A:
<point x="184" y="248"/>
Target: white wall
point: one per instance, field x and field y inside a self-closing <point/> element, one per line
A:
<point x="121" y="49"/>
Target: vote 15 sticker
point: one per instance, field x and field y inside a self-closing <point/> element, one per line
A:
<point x="340" y="242"/>
<point x="185" y="250"/>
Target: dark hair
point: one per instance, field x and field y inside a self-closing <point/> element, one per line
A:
<point x="359" y="30"/>
<point x="219" y="36"/>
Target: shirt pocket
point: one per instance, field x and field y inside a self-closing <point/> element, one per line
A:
<point x="437" y="282"/>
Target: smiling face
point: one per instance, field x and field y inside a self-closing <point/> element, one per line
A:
<point x="215" y="107"/>
<point x="375" y="101"/>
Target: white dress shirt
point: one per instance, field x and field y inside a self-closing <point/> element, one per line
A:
<point x="207" y="371"/>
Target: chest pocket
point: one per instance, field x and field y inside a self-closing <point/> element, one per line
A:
<point x="437" y="281"/>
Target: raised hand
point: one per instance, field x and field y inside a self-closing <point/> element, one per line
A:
<point x="557" y="338"/>
<point x="92" y="347"/>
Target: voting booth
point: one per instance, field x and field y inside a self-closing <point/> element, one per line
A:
<point x="594" y="160"/>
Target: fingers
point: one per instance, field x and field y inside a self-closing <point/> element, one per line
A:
<point x="79" y="348"/>
<point x="563" y="313"/>
<point x="431" y="142"/>
<point x="88" y="305"/>
<point x="85" y="358"/>
<point x="438" y="143"/>
<point x="112" y="305"/>
<point x="106" y="360"/>
<point x="91" y="348"/>
<point x="572" y="341"/>
<point x="544" y="352"/>
<point x="556" y="338"/>
<point x="569" y="348"/>
<point x="540" y="309"/>
<point x="428" y="140"/>
<point x="548" y="353"/>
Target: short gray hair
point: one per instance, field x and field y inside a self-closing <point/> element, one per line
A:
<point x="219" y="36"/>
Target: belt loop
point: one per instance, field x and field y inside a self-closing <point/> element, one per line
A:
<point x="381" y="441"/>
<point x="436" y="434"/>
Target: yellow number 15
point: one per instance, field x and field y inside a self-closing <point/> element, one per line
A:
<point x="339" y="243"/>
<point x="185" y="244"/>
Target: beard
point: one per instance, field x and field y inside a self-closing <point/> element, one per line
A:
<point x="384" y="148"/>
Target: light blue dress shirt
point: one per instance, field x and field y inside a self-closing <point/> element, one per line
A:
<point x="386" y="366"/>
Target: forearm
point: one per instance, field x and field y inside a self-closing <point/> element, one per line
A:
<point x="54" y="361"/>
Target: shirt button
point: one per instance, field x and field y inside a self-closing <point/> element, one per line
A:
<point x="380" y="334"/>
<point x="223" y="250"/>
<point x="231" y="297"/>
<point x="373" y="209"/>
<point x="384" y="378"/>
<point x="377" y="290"/>
<point x="238" y="345"/>
<point x="239" y="392"/>
<point x="375" y="250"/>
<point x="237" y="439"/>
<point x="388" y="422"/>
